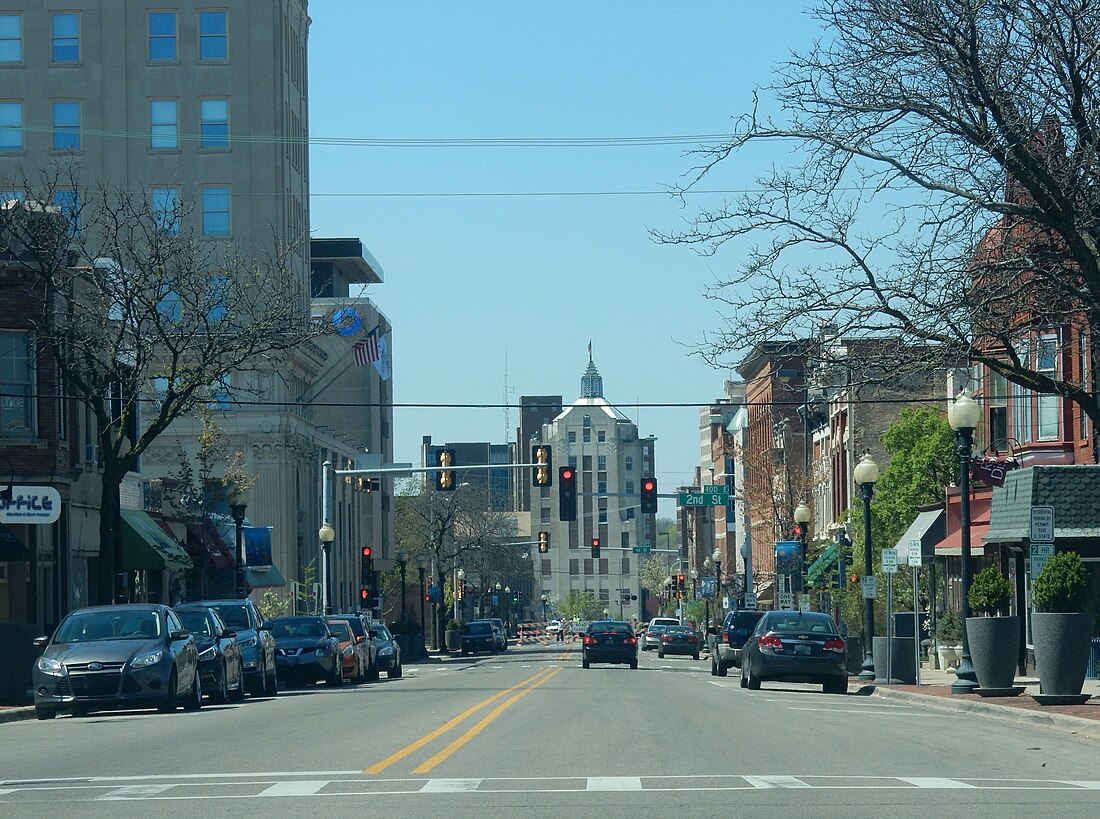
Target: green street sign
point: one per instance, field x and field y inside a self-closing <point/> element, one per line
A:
<point x="703" y="499"/>
<point x="716" y="489"/>
<point x="641" y="550"/>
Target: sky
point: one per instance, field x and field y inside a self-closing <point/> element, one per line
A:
<point x="502" y="260"/>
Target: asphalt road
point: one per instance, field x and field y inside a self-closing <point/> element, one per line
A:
<point x="532" y="732"/>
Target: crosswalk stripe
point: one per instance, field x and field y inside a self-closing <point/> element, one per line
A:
<point x="614" y="783"/>
<point x="450" y="785"/>
<point x="776" y="782"/>
<point x="304" y="788"/>
<point x="135" y="791"/>
<point x="934" y="782"/>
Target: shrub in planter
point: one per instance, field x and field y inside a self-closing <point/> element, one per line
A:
<point x="1061" y="626"/>
<point x="1062" y="586"/>
<point x="990" y="591"/>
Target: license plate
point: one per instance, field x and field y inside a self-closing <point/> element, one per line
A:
<point x="801" y="649"/>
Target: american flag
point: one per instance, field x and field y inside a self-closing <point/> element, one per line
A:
<point x="366" y="351"/>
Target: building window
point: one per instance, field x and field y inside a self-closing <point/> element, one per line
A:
<point x="603" y="515"/>
<point x="217" y="295"/>
<point x="164" y="125"/>
<point x="587" y="435"/>
<point x="628" y="463"/>
<point x="601" y="463"/>
<point x="68" y="200"/>
<point x="996" y="395"/>
<point x="589" y="565"/>
<point x="65" y="37"/>
<point x="11" y="38"/>
<point x="574" y="566"/>
<point x="11" y="126"/>
<point x="214" y="123"/>
<point x="573" y="461"/>
<point x="1048" y="406"/>
<point x="586" y="421"/>
<point x="165" y="203"/>
<point x="572" y="437"/>
<point x="66" y="125"/>
<point x="624" y="540"/>
<point x="629" y="488"/>
<point x="601" y="487"/>
<point x="546" y="568"/>
<point x="625" y="568"/>
<point x="1083" y="378"/>
<point x="162" y="36"/>
<point x="601" y="436"/>
<point x="213" y="44"/>
<point x="603" y="570"/>
<point x="17" y="411"/>
<point x="215" y="211"/>
<point x="9" y="195"/>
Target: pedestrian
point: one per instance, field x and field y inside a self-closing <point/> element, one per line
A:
<point x="561" y="631"/>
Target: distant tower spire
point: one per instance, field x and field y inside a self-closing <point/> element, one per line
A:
<point x="591" y="382"/>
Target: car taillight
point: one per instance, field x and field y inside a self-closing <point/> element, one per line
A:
<point x="834" y="644"/>
<point x="726" y="637"/>
<point x="587" y="640"/>
<point x="693" y="639"/>
<point x="666" y="639"/>
<point x="631" y="641"/>
<point x="769" y="641"/>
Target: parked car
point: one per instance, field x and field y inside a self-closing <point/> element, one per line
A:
<point x="502" y="644"/>
<point x="652" y="636"/>
<point x="609" y="641"/>
<point x="479" y="635"/>
<point x="305" y="649"/>
<point x="257" y="647"/>
<point x="389" y="652"/>
<point x="220" y="665"/>
<point x="137" y="655"/>
<point x="726" y="645"/>
<point x="360" y="627"/>
<point x="794" y="646"/>
<point x="353" y="661"/>
<point x="679" y="640"/>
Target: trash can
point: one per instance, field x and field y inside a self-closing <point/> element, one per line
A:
<point x="1093" y="670"/>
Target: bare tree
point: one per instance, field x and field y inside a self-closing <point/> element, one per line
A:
<point x="147" y="321"/>
<point x="916" y="128"/>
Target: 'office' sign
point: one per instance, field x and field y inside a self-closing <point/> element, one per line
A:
<point x="31" y="504"/>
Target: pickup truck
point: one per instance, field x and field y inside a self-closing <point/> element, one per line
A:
<point x="731" y="637"/>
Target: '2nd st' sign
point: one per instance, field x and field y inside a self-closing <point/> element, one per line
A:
<point x="31" y="504"/>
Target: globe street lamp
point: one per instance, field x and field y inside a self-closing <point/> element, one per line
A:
<point x="238" y="502"/>
<point x="403" y="562"/>
<point x="865" y="474"/>
<point x="460" y="582"/>
<point x="802" y="517"/>
<point x="326" y="534"/>
<point x="716" y="559"/>
<point x="963" y="415"/>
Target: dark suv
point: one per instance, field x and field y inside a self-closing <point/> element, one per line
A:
<point x="728" y="642"/>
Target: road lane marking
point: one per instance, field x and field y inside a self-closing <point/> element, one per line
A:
<point x="776" y="782"/>
<point x="874" y="713"/>
<point x="450" y="785"/>
<point x="427" y="766"/>
<point x="378" y="767"/>
<point x="302" y="788"/>
<point x="135" y="791"/>
<point x="725" y="685"/>
<point x="614" y="783"/>
<point x="934" y="782"/>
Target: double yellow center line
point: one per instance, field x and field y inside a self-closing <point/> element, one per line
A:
<point x="521" y="690"/>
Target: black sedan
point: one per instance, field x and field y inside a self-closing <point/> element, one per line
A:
<point x="793" y="646"/>
<point x="609" y="641"/>
<point x="257" y="647"/>
<point x="389" y="652"/>
<point x="305" y="650"/>
<point x="679" y="640"/>
<point x="136" y="655"/>
<point x="220" y="663"/>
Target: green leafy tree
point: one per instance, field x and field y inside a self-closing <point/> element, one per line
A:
<point x="582" y="606"/>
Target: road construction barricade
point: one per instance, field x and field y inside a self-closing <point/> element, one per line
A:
<point x="529" y="633"/>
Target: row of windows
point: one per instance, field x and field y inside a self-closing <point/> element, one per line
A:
<point x="164" y="130"/>
<point x="601" y="435"/>
<point x="163" y="36"/>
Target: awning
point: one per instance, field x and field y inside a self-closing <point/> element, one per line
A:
<point x="824" y="562"/>
<point x="11" y="548"/>
<point x="146" y="546"/>
<point x="951" y="545"/>
<point x="266" y="577"/>
<point x="205" y="544"/>
<point x="928" y="528"/>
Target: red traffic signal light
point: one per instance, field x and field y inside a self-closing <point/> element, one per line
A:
<point x="595" y="547"/>
<point x="367" y="551"/>
<point x="364" y="595"/>
<point x="680" y="579"/>
<point x="567" y="493"/>
<point x="649" y="496"/>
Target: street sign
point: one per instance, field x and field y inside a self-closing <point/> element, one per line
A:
<point x="869" y="586"/>
<point x="804" y="603"/>
<point x="704" y="498"/>
<point x="914" y="553"/>
<point x="641" y="550"/>
<point x="750" y="600"/>
<point x="1042" y="524"/>
<point x="1040" y="554"/>
<point x="725" y="602"/>
<point x="890" y="561"/>
<point x="786" y="601"/>
<point x="716" y="489"/>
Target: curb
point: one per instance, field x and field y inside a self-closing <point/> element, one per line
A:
<point x="16" y="714"/>
<point x="1079" y="725"/>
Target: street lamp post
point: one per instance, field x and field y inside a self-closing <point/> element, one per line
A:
<point x="460" y="578"/>
<point x="421" y="570"/>
<point x="402" y="563"/>
<point x="716" y="559"/>
<point x="326" y="534"/>
<point x="694" y="584"/>
<point x="802" y="517"/>
<point x="238" y="502"/>
<point x="963" y="415"/>
<point x="668" y="588"/>
<point x="545" y="605"/>
<point x="498" y="588"/>
<point x="865" y="474"/>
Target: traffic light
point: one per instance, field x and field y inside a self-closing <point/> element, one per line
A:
<point x="367" y="566"/>
<point x="679" y="586"/>
<point x="542" y="475"/>
<point x="364" y="597"/>
<point x="544" y="543"/>
<point x="567" y="493"/>
<point x="853" y="578"/>
<point x="445" y="478"/>
<point x="649" y="496"/>
<point x="460" y="589"/>
<point x="595" y="547"/>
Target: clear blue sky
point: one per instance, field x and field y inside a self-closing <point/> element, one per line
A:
<point x="471" y="280"/>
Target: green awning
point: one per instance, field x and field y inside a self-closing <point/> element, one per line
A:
<point x="824" y="562"/>
<point x="146" y="546"/>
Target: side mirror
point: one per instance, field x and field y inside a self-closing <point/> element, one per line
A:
<point x="40" y="642"/>
<point x="264" y="627"/>
<point x="360" y="639"/>
<point x="229" y="633"/>
<point x="178" y="635"/>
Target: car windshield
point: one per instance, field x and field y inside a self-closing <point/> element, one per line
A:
<point x="381" y="632"/>
<point x="341" y="631"/>
<point x="92" y="626"/>
<point x="305" y="627"/>
<point x="802" y="623"/>
<point x="610" y="628"/>
<point x="477" y="628"/>
<point x="196" y="622"/>
<point x="656" y="629"/>
<point x="236" y="617"/>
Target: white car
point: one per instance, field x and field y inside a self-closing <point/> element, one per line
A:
<point x="553" y="627"/>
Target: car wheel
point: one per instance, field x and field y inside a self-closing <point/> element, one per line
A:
<point x="273" y="683"/>
<point x="394" y="673"/>
<point x="752" y="682"/>
<point x="723" y="671"/>
<point x="660" y="654"/>
<point x="744" y="679"/>
<point x="44" y="713"/>
<point x="238" y="692"/>
<point x="80" y="711"/>
<point x="223" y="686"/>
<point x="337" y="678"/>
<point x="633" y="663"/>
<point x="713" y="667"/>
<point x="695" y="656"/>
<point x="584" y="663"/>
<point x="171" y="701"/>
<point x="375" y="673"/>
<point x="194" y="698"/>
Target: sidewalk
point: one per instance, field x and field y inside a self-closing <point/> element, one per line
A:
<point x="934" y="691"/>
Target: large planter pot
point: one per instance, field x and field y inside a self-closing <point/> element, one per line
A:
<point x="453" y="639"/>
<point x="1062" y="643"/>
<point x="903" y="661"/>
<point x="948" y="658"/>
<point x="994" y="649"/>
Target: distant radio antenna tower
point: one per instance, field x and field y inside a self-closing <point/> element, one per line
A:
<point x="507" y="400"/>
